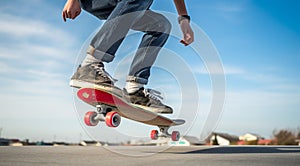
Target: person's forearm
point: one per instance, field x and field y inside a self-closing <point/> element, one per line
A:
<point x="180" y="6"/>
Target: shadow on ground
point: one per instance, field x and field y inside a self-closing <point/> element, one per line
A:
<point x="236" y="150"/>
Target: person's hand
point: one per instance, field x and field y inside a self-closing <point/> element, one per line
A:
<point x="71" y="10"/>
<point x="188" y="34"/>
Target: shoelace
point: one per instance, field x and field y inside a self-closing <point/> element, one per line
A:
<point x="100" y="70"/>
<point x="153" y="94"/>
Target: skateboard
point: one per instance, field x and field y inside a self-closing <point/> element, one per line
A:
<point x="111" y="106"/>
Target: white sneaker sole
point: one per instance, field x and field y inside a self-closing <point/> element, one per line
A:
<point x="82" y="84"/>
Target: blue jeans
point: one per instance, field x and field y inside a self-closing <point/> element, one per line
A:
<point x="121" y="16"/>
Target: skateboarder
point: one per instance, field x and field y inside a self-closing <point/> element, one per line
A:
<point x="121" y="16"/>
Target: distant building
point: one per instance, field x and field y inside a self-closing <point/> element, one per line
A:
<point x="10" y="142"/>
<point x="222" y="139"/>
<point x="250" y="137"/>
<point x="90" y="143"/>
<point x="42" y="143"/>
<point x="4" y="142"/>
<point x="60" y="144"/>
<point x="15" y="142"/>
<point x="298" y="141"/>
<point x="254" y="139"/>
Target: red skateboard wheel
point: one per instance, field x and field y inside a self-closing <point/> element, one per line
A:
<point x="112" y="119"/>
<point x="175" y="136"/>
<point x="154" y="135"/>
<point x="89" y="118"/>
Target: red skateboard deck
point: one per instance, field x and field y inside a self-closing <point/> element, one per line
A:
<point x="112" y="106"/>
<point x="96" y="97"/>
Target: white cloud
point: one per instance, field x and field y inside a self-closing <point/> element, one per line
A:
<point x="231" y="11"/>
<point x="35" y="45"/>
<point x="230" y="8"/>
<point x="36" y="56"/>
<point x="218" y="69"/>
<point x="285" y="87"/>
<point x="5" y="68"/>
<point x="19" y="27"/>
<point x="35" y="65"/>
<point x="264" y="77"/>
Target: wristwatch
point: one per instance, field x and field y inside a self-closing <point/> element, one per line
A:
<point x="182" y="17"/>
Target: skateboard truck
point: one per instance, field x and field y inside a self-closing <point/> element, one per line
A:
<point x="164" y="133"/>
<point x="102" y="110"/>
<point x="104" y="113"/>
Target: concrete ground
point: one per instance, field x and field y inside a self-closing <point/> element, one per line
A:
<point x="151" y="156"/>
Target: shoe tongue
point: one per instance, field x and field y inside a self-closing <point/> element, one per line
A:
<point x="153" y="94"/>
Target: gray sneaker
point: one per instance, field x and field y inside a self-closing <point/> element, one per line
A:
<point x="147" y="99"/>
<point x="91" y="75"/>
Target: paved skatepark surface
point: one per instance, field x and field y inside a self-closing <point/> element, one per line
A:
<point x="151" y="155"/>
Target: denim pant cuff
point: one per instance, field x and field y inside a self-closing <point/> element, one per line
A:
<point x="136" y="79"/>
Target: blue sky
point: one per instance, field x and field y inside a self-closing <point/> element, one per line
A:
<point x="257" y="40"/>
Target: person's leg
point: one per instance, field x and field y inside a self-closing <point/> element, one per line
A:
<point x="91" y="71"/>
<point x="121" y="19"/>
<point x="120" y="15"/>
<point x="157" y="29"/>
